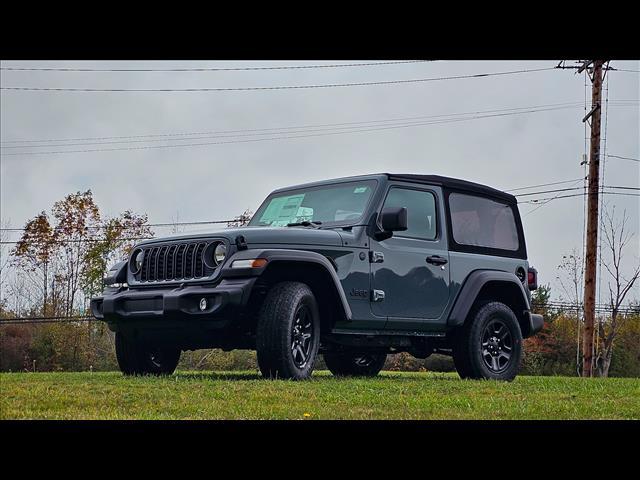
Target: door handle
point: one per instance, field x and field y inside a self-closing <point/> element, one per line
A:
<point x="437" y="260"/>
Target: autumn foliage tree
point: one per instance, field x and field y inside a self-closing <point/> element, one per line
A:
<point x="118" y="237"/>
<point x="35" y="252"/>
<point x="71" y="257"/>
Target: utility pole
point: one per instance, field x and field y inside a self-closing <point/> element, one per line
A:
<point x="595" y="68"/>
<point x="592" y="219"/>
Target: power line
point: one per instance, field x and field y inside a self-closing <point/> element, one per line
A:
<point x="290" y="127"/>
<point x="81" y="240"/>
<point x="272" y="130"/>
<point x="289" y="136"/>
<point x="536" y="200"/>
<point x="575" y="188"/>
<point x="544" y="185"/>
<point x="45" y="320"/>
<point x="553" y="305"/>
<point x="623" y="158"/>
<point x="279" y="87"/>
<point x="550" y="191"/>
<point x="206" y="69"/>
<point x="166" y="224"/>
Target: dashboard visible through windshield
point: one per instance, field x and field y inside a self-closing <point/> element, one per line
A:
<point x="334" y="204"/>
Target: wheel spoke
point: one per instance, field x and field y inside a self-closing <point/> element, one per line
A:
<point x="495" y="364"/>
<point x="303" y="355"/>
<point x="301" y="336"/>
<point x="505" y="355"/>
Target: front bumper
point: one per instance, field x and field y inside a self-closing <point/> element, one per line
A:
<point x="224" y="302"/>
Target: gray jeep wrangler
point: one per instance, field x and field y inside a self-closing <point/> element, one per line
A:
<point x="353" y="268"/>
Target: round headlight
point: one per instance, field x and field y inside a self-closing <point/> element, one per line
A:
<point x="220" y="253"/>
<point x="138" y="258"/>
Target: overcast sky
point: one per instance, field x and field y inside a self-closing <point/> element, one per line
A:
<point x="220" y="181"/>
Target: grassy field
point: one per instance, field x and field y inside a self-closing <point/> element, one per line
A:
<point x="245" y="395"/>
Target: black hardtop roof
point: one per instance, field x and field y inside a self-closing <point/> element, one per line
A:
<point x="453" y="183"/>
<point x="447" y="182"/>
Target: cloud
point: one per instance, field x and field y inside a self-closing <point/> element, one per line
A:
<point x="220" y="181"/>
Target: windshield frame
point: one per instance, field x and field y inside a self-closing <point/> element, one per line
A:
<point x="375" y="184"/>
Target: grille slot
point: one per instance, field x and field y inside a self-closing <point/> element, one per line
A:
<point x="178" y="261"/>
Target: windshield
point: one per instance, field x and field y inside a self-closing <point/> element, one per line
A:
<point x="342" y="203"/>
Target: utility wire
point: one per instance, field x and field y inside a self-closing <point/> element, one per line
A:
<point x="167" y="224"/>
<point x="205" y="69"/>
<point x="285" y="137"/>
<point x="279" y="87"/>
<point x="575" y="188"/>
<point x="536" y="200"/>
<point x="81" y="240"/>
<point x="552" y="305"/>
<point x="623" y="158"/>
<point x="274" y="130"/>
<point x="290" y="127"/>
<point x="544" y="185"/>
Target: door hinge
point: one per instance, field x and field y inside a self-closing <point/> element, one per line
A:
<point x="377" y="295"/>
<point x="376" y="257"/>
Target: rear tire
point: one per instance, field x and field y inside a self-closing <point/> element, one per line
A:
<point x="489" y="345"/>
<point x="355" y="365"/>
<point x="136" y="358"/>
<point x="288" y="333"/>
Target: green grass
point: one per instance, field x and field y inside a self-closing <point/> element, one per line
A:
<point x="245" y="395"/>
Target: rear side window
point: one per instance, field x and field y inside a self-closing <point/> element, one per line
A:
<point x="421" y="212"/>
<point x="483" y="222"/>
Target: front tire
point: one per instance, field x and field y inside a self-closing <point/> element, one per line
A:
<point x="489" y="345"/>
<point x="355" y="365"/>
<point x="288" y="333"/>
<point x="136" y="358"/>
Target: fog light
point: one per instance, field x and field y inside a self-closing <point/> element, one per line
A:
<point x="203" y="304"/>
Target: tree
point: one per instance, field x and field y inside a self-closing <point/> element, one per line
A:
<point x="571" y="276"/>
<point x="571" y="273"/>
<point x="117" y="238"/>
<point x="35" y="251"/>
<point x="241" y="220"/>
<point x="616" y="238"/>
<point x="72" y="257"/>
<point x="77" y="222"/>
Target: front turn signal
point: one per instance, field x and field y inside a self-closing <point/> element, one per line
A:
<point x="249" y="263"/>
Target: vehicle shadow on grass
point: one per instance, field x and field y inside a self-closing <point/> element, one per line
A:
<point x="388" y="376"/>
<point x="209" y="375"/>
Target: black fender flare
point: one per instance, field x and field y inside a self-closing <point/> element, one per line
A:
<point x="472" y="286"/>
<point x="286" y="255"/>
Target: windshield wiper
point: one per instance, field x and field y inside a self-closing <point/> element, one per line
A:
<point x="304" y="223"/>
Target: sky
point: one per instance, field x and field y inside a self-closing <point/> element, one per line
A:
<point x="219" y="181"/>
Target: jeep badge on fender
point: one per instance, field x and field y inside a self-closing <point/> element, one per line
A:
<point x="447" y="272"/>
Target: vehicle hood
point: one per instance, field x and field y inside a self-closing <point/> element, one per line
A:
<point x="263" y="236"/>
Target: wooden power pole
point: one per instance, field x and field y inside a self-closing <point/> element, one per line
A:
<point x="592" y="219"/>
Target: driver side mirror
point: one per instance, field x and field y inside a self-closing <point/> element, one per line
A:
<point x="392" y="219"/>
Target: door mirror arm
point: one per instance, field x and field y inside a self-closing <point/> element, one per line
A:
<point x="392" y="219"/>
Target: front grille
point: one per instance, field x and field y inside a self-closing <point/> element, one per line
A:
<point x="178" y="261"/>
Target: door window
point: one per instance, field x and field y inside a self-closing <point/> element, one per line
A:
<point x="421" y="212"/>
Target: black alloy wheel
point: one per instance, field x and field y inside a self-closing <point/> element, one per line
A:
<point x="497" y="345"/>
